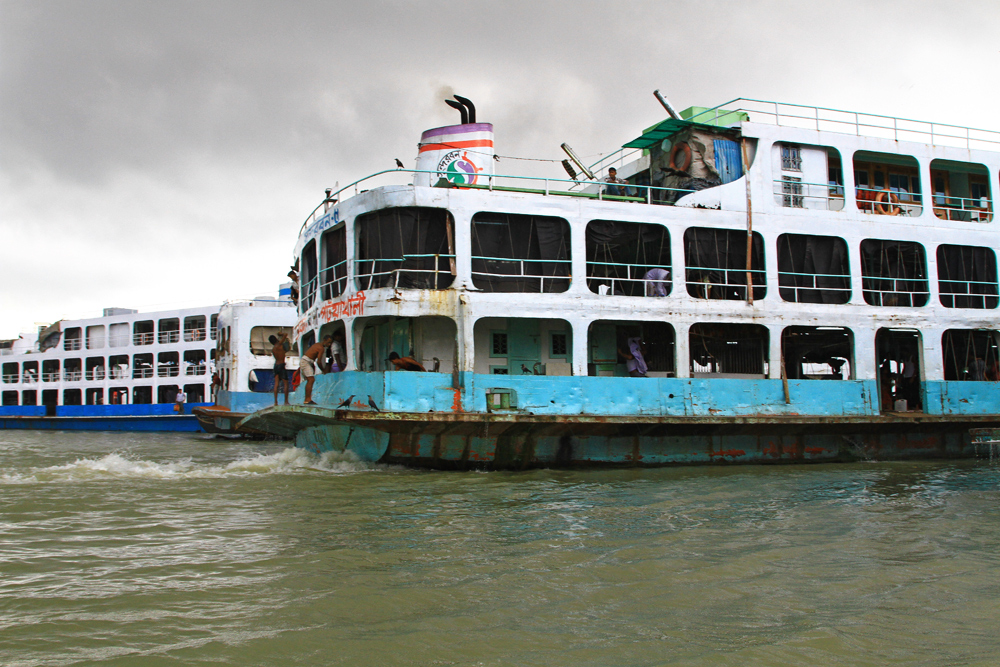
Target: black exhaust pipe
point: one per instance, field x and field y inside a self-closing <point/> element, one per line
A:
<point x="472" y="107"/>
<point x="461" y="108"/>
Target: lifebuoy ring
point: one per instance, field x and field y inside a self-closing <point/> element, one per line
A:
<point x="678" y="147"/>
<point x="887" y="203"/>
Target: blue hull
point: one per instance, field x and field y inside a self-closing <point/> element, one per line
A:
<point x="157" y="417"/>
<point x="503" y="422"/>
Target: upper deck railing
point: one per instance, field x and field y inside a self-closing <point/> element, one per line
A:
<point x="853" y="122"/>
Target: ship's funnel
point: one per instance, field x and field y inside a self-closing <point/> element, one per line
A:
<point x="463" y="154"/>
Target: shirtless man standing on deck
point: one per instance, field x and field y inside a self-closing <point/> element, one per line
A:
<point x="308" y="363"/>
<point x="280" y="372"/>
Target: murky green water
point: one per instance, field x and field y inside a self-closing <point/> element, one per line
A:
<point x="120" y="549"/>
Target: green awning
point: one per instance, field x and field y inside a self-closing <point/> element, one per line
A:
<point x="658" y="133"/>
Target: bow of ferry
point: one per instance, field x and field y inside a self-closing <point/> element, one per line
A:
<point x="758" y="283"/>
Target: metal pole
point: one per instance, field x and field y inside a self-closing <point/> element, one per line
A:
<point x="746" y="175"/>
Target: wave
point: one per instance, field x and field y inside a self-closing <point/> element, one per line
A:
<point x="126" y="465"/>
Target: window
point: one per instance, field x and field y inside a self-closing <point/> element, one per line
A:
<point x="791" y="158"/>
<point x="520" y="253"/>
<point x="813" y="269"/>
<point x="142" y="333"/>
<point x="119" y="335"/>
<point x="10" y="398"/>
<point x="260" y="343"/>
<point x="194" y="328"/>
<point x="213" y="327"/>
<point x="404" y="248"/>
<point x="791" y="188"/>
<point x="894" y="273"/>
<point x="499" y="346"/>
<point x="95" y="337"/>
<point x="961" y="191"/>
<point x="729" y="350"/>
<point x="716" y="262"/>
<point x="308" y="277"/>
<point x="967" y="277"/>
<point x="970" y="354"/>
<point x="72" y="397"/>
<point x="887" y="184"/>
<point x="817" y="353"/>
<point x="559" y="345"/>
<point x="170" y="330"/>
<point x="95" y="396"/>
<point x="628" y="258"/>
<point x="333" y="260"/>
<point x="609" y="342"/>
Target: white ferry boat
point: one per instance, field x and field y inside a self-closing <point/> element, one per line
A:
<point x="123" y="371"/>
<point x="755" y="282"/>
<point x="245" y="366"/>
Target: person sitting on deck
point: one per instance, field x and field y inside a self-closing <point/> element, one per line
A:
<point x="405" y="363"/>
<point x="614" y="189"/>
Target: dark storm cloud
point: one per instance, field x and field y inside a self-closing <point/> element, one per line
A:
<point x="151" y="151"/>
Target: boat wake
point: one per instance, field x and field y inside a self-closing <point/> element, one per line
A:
<point x="126" y="465"/>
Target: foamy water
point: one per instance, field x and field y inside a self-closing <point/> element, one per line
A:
<point x="131" y="464"/>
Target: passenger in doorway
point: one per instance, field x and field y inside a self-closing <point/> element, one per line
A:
<point x="910" y="389"/>
<point x="338" y="359"/>
<point x="307" y="365"/>
<point x="655" y="281"/>
<point x="278" y="351"/>
<point x="635" y="363"/>
<point x="992" y="372"/>
<point x="216" y="385"/>
<point x="977" y="371"/>
<point x="405" y="363"/>
<point x="179" y="401"/>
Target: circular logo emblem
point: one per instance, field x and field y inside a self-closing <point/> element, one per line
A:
<point x="458" y="168"/>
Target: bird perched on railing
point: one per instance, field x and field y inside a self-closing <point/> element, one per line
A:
<point x="399" y="165"/>
<point x="346" y="403"/>
<point x="371" y="403"/>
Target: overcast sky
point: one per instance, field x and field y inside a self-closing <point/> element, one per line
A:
<point x="162" y="154"/>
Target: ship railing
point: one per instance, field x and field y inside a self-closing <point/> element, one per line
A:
<point x="965" y="209"/>
<point x="521" y="184"/>
<point x="799" y="194"/>
<point x="308" y="295"/>
<point x="893" y="201"/>
<point x="169" y="336"/>
<point x="334" y="288"/>
<point x="520" y="269"/>
<point x="119" y="373"/>
<point x="851" y="122"/>
<point x="370" y="278"/>
<point x="698" y="280"/>
<point x="787" y="281"/>
<point x="616" y="159"/>
<point x="72" y="376"/>
<point x="195" y="369"/>
<point x="11" y="378"/>
<point x="143" y="338"/>
<point x="73" y="344"/>
<point x="191" y="335"/>
<point x="880" y="291"/>
<point x="95" y="374"/>
<point x="119" y="340"/>
<point x="969" y="294"/>
<point x="52" y="376"/>
<point x="146" y="372"/>
<point x="29" y="377"/>
<point x="167" y="371"/>
<point x="634" y="277"/>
